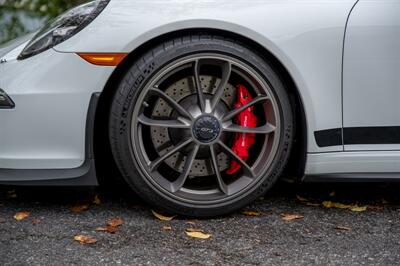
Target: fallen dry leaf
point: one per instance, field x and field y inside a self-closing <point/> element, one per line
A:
<point x="354" y="207"/>
<point x="300" y="198"/>
<point x="80" y="207"/>
<point x="162" y="217"/>
<point x="108" y="229"/>
<point x="115" y="222"/>
<point x="197" y="234"/>
<point x="251" y="213"/>
<point x="96" y="200"/>
<point x="191" y="222"/>
<point x="358" y="208"/>
<point x="35" y="221"/>
<point x="291" y="217"/>
<point x="167" y="228"/>
<point x="330" y="204"/>
<point x="19" y="216"/>
<point x="194" y="230"/>
<point x="343" y="228"/>
<point x="85" y="239"/>
<point x="11" y="194"/>
<point x="112" y="226"/>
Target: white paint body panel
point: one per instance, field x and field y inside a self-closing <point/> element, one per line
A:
<point x="51" y="92"/>
<point x="371" y="80"/>
<point x="353" y="162"/>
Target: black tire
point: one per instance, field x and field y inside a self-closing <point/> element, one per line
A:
<point x="125" y="100"/>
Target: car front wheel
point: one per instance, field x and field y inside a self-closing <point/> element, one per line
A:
<point x="201" y="126"/>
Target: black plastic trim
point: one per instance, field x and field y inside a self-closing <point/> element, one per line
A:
<point x="371" y="135"/>
<point x="7" y="102"/>
<point x="328" y="137"/>
<point x="358" y="136"/>
<point x="85" y="175"/>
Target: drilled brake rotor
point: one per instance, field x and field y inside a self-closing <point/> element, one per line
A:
<point x="161" y="136"/>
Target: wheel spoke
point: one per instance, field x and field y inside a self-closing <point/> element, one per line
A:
<point x="154" y="164"/>
<point x="233" y="113"/>
<point x="200" y="95"/>
<point x="246" y="168"/>
<point x="226" y="74"/>
<point x="171" y="102"/>
<point x="178" y="184"/>
<point x="266" y="129"/>
<point x="179" y="123"/>
<point x="191" y="134"/>
<point x="214" y="160"/>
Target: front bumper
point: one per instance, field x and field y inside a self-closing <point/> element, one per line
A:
<point x="84" y="175"/>
<point x="47" y="127"/>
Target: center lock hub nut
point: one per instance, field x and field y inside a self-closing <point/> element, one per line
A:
<point x="206" y="129"/>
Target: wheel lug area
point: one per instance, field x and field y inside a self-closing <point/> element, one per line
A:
<point x="206" y="129"/>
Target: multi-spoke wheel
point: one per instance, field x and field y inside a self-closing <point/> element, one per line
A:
<point x="175" y="120"/>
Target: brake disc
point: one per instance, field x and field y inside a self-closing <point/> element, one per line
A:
<point x="161" y="138"/>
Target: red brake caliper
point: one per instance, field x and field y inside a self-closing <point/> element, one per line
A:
<point x="246" y="118"/>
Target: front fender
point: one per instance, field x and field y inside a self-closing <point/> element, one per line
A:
<point x="305" y="36"/>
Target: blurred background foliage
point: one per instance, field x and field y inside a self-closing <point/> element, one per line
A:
<point x="18" y="17"/>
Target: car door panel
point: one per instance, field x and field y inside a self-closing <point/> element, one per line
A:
<point x="371" y="77"/>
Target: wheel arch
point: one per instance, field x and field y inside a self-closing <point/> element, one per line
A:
<point x="297" y="159"/>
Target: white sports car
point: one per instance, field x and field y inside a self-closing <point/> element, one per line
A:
<point x="202" y="104"/>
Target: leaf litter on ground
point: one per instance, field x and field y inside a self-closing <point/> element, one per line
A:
<point x="337" y="205"/>
<point x="252" y="213"/>
<point x="80" y="207"/>
<point x="162" y="217"/>
<point x="291" y="217"/>
<point x="19" y="216"/>
<point x="342" y="228"/>
<point x="111" y="227"/>
<point x="197" y="234"/>
<point x="84" y="240"/>
<point x="96" y="199"/>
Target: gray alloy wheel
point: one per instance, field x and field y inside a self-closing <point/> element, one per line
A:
<point x="181" y="126"/>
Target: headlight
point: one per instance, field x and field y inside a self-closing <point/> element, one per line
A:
<point x="63" y="27"/>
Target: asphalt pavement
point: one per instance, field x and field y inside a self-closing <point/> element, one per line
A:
<point x="364" y="229"/>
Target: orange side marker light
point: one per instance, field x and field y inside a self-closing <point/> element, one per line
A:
<point x="103" y="59"/>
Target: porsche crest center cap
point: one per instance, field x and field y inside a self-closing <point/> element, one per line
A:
<point x="206" y="129"/>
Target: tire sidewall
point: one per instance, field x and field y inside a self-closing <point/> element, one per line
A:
<point x="138" y="77"/>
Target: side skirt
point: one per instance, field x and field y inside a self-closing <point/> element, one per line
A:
<point x="365" y="166"/>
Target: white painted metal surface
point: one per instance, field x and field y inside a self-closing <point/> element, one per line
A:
<point x="371" y="92"/>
